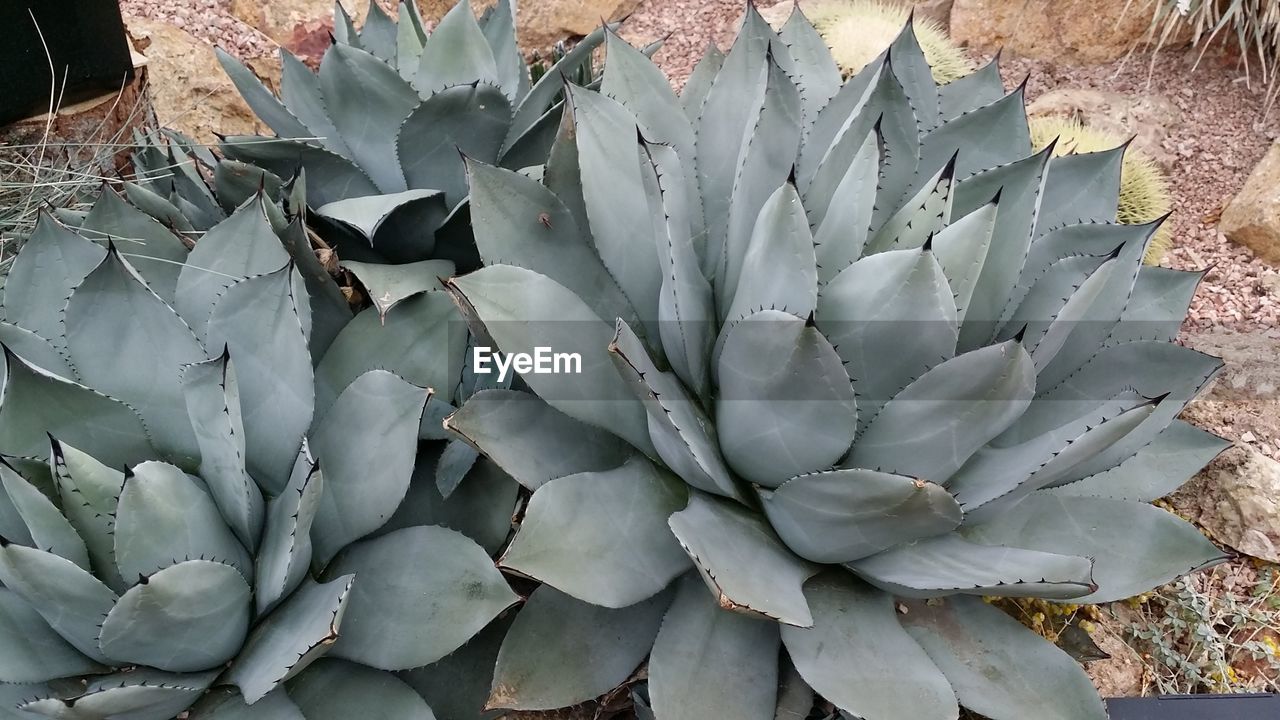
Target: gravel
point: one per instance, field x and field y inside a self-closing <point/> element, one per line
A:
<point x="1214" y="149"/>
<point x="1224" y="134"/>
<point x="209" y="20"/>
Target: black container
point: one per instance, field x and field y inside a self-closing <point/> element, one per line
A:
<point x="85" y="39"/>
<point x="1196" y="707"/>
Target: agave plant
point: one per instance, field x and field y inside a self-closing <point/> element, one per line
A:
<point x="195" y="494"/>
<point x="852" y="358"/>
<point x="380" y="127"/>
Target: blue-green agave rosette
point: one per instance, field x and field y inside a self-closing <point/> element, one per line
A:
<point x="852" y="358"/>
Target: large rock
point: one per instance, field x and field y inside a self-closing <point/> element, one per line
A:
<point x="1252" y="218"/>
<point x="1238" y="501"/>
<point x="300" y="26"/>
<point x="1243" y="403"/>
<point x="189" y="90"/>
<point x="1237" y="498"/>
<point x="1148" y="118"/>
<point x="1080" y="32"/>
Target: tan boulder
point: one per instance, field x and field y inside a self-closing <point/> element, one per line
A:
<point x="189" y="90"/>
<point x="1237" y="499"/>
<point x="1081" y="32"/>
<point x="300" y="26"/>
<point x="1148" y="118"/>
<point x="1252" y="218"/>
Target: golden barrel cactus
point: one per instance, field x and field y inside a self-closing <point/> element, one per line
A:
<point x="1144" y="187"/>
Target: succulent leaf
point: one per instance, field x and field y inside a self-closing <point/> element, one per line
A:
<point x="519" y="222"/>
<point x="842" y="515"/>
<point x="524" y="310"/>
<point x="330" y="176"/>
<point x="114" y="307"/>
<point x="53" y="261"/>
<point x="164" y="517"/>
<point x="1020" y="184"/>
<point x="156" y="252"/>
<point x="858" y="656"/>
<point x="259" y="321"/>
<point x="30" y="650"/>
<point x="366" y="475"/>
<point x="499" y="28"/>
<point x="90" y="494"/>
<point x="334" y="689"/>
<point x="743" y="562"/>
<point x="686" y="304"/>
<point x="785" y="406"/>
<point x="212" y="395"/>
<point x="35" y="399"/>
<point x="47" y="529"/>
<point x="977" y="89"/>
<point x="137" y="695"/>
<point x="766" y="162"/>
<point x="930" y="428"/>
<point x="367" y="101"/>
<point x="457" y="458"/>
<point x="378" y="34"/>
<point x="561" y="651"/>
<point x="1136" y="547"/>
<point x="397" y="621"/>
<point x="599" y="536"/>
<point x="682" y="433"/>
<point x="898" y="301"/>
<point x="988" y="137"/>
<point x="1169" y="461"/>
<point x="456" y="52"/>
<point x="814" y="70"/>
<point x="470" y="119"/>
<point x="388" y="285"/>
<point x="996" y="666"/>
<point x="481" y="507"/>
<point x="525" y="436"/>
<point x="696" y="88"/>
<point x="260" y="100"/>
<point x="779" y="266"/>
<point x="613" y="189"/>
<point x="300" y="92"/>
<point x="707" y="662"/>
<point x="243" y="246"/>
<point x="952" y="564"/>
<point x="187" y="617"/>
<point x="995" y="478"/>
<point x="159" y="207"/>
<point x="34" y="349"/>
<point x="398" y="226"/>
<point x="71" y="600"/>
<point x="843" y="229"/>
<point x="284" y="556"/>
<point x="292" y="637"/>
<point x="1087" y="184"/>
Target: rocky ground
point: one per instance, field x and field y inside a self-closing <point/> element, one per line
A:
<point x="1207" y="128"/>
